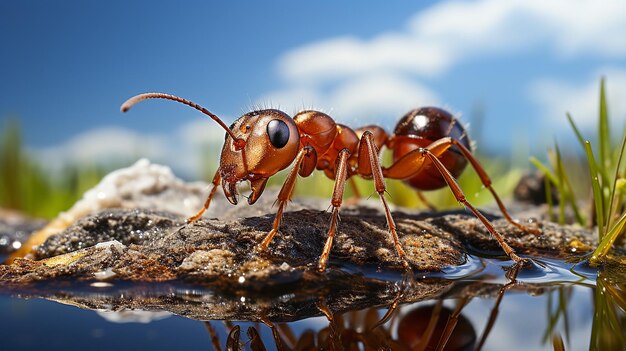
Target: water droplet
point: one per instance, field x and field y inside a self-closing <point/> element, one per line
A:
<point x="101" y="284"/>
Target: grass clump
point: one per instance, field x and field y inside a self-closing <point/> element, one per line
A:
<point x="607" y="181"/>
<point x="27" y="187"/>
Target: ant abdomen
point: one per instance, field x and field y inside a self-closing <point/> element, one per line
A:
<point x="419" y="128"/>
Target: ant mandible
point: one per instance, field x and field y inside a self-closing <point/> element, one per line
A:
<point x="430" y="148"/>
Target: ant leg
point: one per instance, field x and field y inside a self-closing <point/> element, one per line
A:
<point x="356" y="194"/>
<point x="487" y="183"/>
<point x="460" y="197"/>
<point x="216" y="180"/>
<point x="368" y="162"/>
<point x="283" y="197"/>
<point x="493" y="315"/>
<point x="278" y="340"/>
<point x="215" y="341"/>
<point x="451" y="323"/>
<point x="412" y="163"/>
<point x="425" y="202"/>
<point x="341" y="170"/>
<point x="432" y="324"/>
<point x="233" y="339"/>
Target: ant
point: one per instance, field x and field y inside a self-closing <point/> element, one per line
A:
<point x="430" y="148"/>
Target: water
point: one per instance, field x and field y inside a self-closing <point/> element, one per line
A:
<point x="550" y="303"/>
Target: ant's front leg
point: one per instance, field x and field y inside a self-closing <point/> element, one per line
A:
<point x="284" y="195"/>
<point x="341" y="171"/>
<point x="216" y="181"/>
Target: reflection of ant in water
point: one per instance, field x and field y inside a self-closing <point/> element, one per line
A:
<point x="427" y="326"/>
<point x="430" y="148"/>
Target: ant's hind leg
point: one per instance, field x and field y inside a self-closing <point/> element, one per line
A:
<point x="487" y="183"/>
<point x="215" y="182"/>
<point x="460" y="197"/>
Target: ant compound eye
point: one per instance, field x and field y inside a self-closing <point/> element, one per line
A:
<point x="278" y="131"/>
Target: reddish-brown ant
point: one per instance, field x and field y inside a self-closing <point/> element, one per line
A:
<point x="430" y="148"/>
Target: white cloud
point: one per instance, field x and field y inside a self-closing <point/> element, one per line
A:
<point x="345" y="56"/>
<point x="380" y="96"/>
<point x="103" y="145"/>
<point x="187" y="150"/>
<point x="555" y="98"/>
<point x="364" y="99"/>
<point x="452" y="31"/>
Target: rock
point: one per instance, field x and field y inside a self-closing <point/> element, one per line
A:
<point x="142" y="185"/>
<point x="15" y="229"/>
<point x="144" y="239"/>
<point x="531" y="188"/>
<point x="158" y="246"/>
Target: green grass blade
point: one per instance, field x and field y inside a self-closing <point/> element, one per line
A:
<point x="607" y="241"/>
<point x="579" y="136"/>
<point x="549" y="201"/>
<point x="597" y="191"/>
<point x="566" y="189"/>
<point x="571" y="197"/>
<point x="613" y="204"/>
<point x="561" y="184"/>
<point x="543" y="169"/>
<point x="604" y="137"/>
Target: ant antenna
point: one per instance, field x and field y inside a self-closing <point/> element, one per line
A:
<point x="239" y="143"/>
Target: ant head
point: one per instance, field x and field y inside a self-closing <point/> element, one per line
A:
<point x="257" y="145"/>
<point x="264" y="143"/>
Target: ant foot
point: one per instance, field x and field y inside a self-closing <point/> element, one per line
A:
<point x="321" y="266"/>
<point x="191" y="220"/>
<point x="260" y="248"/>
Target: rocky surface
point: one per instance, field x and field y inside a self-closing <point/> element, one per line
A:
<point x="146" y="245"/>
<point x="150" y="242"/>
<point x="120" y="233"/>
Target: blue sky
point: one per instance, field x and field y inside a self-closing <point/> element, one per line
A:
<point x="66" y="66"/>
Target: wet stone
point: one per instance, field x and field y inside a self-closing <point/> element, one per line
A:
<point x="140" y="255"/>
<point x="158" y="246"/>
<point x="15" y="229"/>
<point x="126" y="226"/>
<point x="131" y="227"/>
